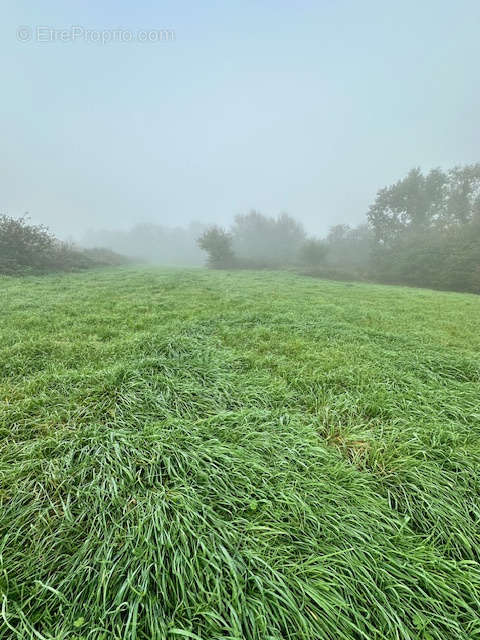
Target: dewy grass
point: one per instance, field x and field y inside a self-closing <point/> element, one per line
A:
<point x="188" y="454"/>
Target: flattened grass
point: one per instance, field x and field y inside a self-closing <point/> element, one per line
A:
<point x="187" y="454"/>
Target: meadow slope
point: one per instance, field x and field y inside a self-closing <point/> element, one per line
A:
<point x="248" y="456"/>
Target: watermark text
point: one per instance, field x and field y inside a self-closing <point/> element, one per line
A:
<point x="78" y="33"/>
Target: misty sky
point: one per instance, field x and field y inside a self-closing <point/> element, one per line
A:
<point x="304" y="107"/>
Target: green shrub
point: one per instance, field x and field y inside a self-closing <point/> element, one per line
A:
<point x="218" y="245"/>
<point x="33" y="249"/>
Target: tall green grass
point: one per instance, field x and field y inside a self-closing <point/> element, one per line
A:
<point x="188" y="454"/>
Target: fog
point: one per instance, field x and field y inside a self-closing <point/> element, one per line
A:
<point x="307" y="108"/>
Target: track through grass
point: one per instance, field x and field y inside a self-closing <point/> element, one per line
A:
<point x="259" y="456"/>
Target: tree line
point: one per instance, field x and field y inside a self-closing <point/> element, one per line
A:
<point x="423" y="230"/>
<point x="256" y="241"/>
<point x="426" y="230"/>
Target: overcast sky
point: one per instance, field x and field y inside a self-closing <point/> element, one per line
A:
<point x="304" y="107"/>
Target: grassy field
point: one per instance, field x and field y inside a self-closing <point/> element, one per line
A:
<point x="259" y="456"/>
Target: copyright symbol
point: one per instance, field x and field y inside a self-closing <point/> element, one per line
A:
<point x="24" y="34"/>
